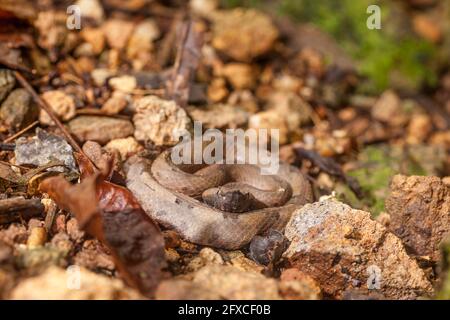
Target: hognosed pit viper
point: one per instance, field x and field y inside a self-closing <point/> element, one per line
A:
<point x="171" y="195"/>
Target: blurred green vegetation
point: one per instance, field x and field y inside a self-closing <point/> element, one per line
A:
<point x="390" y="57"/>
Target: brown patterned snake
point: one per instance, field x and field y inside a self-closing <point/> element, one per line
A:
<point x="168" y="194"/>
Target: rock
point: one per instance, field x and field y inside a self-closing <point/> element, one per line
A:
<point x="72" y="284"/>
<point x="217" y="90"/>
<point x="117" y="32"/>
<point x="419" y="128"/>
<point x="427" y="28"/>
<point x="295" y="285"/>
<point x="74" y="231"/>
<point x="206" y="256"/>
<point x="61" y="241"/>
<point x="99" y="76"/>
<point x="94" y="257"/>
<point x="7" y="83"/>
<point x="270" y="119"/>
<point x="177" y="289"/>
<point x="91" y="9"/>
<point x="124" y="84"/>
<point x="159" y="121"/>
<point x="6" y="253"/>
<point x="19" y="109"/>
<point x="100" y="129"/>
<point x="14" y="234"/>
<point x="203" y="8"/>
<point x="243" y="34"/>
<point x="62" y="105"/>
<point x="342" y="249"/>
<point x="296" y="111"/>
<point x="220" y="282"/>
<point x="419" y="208"/>
<point x="240" y="75"/>
<point x="388" y="109"/>
<point x="95" y="39"/>
<point x="116" y="103"/>
<point x="238" y="260"/>
<point x="37" y="238"/>
<point x="44" y="148"/>
<point x="6" y="283"/>
<point x="219" y="116"/>
<point x="141" y="41"/>
<point x="40" y="258"/>
<point x="126" y="147"/>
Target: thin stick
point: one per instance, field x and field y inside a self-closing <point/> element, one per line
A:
<point x="44" y="105"/>
<point x="14" y="66"/>
<point x="21" y="132"/>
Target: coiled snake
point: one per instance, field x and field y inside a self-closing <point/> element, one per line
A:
<point x="170" y="195"/>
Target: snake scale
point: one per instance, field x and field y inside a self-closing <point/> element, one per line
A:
<point x="170" y="195"/>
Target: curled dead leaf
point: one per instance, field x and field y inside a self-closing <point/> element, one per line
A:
<point x="110" y="213"/>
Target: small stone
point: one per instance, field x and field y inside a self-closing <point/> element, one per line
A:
<point x="206" y="256"/>
<point x="297" y="112"/>
<point x="94" y="256"/>
<point x="217" y="90"/>
<point x="172" y="256"/>
<point x="235" y="284"/>
<point x="53" y="285"/>
<point x="238" y="260"/>
<point x="270" y="119"/>
<point x="296" y="285"/>
<point x="19" y="109"/>
<point x="91" y="9"/>
<point x="388" y="109"/>
<point x="141" y="41"/>
<point x="203" y="8"/>
<point x="243" y="34"/>
<point x="419" y="208"/>
<point x="14" y="234"/>
<point x="124" y="84"/>
<point x="159" y="121"/>
<point x="100" y="129"/>
<point x="220" y="282"/>
<point x="419" y="128"/>
<point x="371" y="259"/>
<point x="37" y="238"/>
<point x="126" y="147"/>
<point x="40" y="257"/>
<point x="427" y="28"/>
<point x="240" y="75"/>
<point x="62" y="105"/>
<point x="99" y="76"/>
<point x="116" y="103"/>
<point x="74" y="231"/>
<point x="62" y="242"/>
<point x="7" y="83"/>
<point x="117" y="32"/>
<point x="95" y="39"/>
<point x="44" y="148"/>
<point x="219" y="116"/>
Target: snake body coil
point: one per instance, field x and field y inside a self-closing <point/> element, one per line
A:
<point x="169" y="195"/>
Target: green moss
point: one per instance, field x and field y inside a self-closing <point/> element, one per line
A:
<point x="387" y="57"/>
<point x="378" y="164"/>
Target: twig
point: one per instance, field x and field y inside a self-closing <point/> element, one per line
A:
<point x="16" y="67"/>
<point x="43" y="104"/>
<point x="21" y="132"/>
<point x="14" y="209"/>
<point x="186" y="63"/>
<point x="7" y="146"/>
<point x="331" y="167"/>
